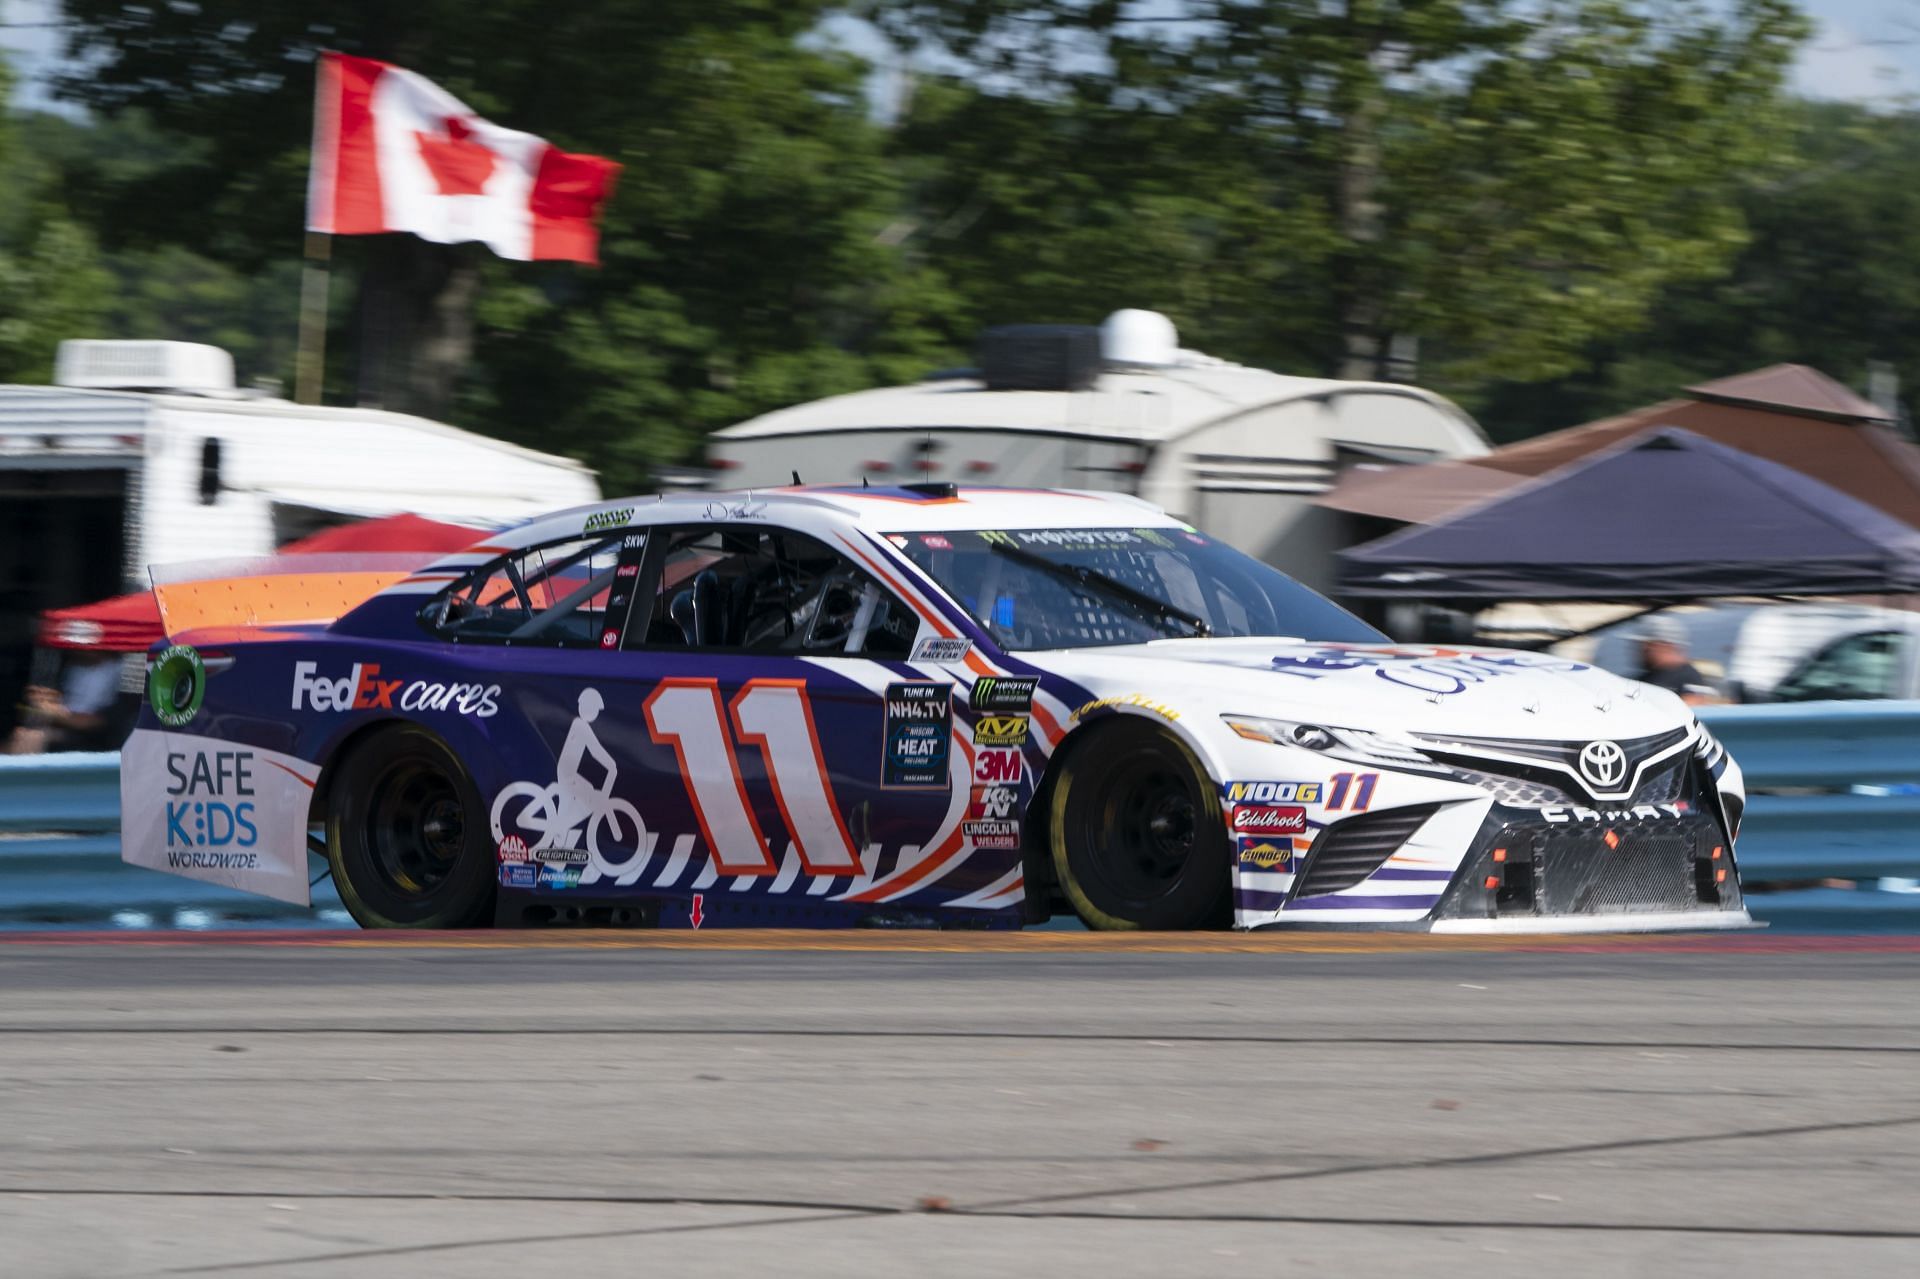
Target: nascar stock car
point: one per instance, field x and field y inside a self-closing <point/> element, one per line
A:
<point x="923" y="705"/>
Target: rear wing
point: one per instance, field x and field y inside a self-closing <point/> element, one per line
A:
<point x="239" y="596"/>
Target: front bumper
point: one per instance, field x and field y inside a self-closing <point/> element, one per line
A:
<point x="1514" y="871"/>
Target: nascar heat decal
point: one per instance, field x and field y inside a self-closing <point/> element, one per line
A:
<point x="919" y="735"/>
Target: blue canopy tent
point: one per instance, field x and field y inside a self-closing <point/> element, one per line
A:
<point x="1667" y="515"/>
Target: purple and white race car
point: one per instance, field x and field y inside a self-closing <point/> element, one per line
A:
<point x="923" y="705"/>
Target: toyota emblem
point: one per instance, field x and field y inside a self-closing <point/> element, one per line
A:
<point x="1603" y="764"/>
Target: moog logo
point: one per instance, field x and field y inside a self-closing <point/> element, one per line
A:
<point x="1273" y="792"/>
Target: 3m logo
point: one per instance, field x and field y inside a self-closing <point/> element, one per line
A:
<point x="998" y="764"/>
<point x="1000" y="730"/>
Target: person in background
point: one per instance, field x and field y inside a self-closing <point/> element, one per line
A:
<point x="77" y="715"/>
<point x="1664" y="664"/>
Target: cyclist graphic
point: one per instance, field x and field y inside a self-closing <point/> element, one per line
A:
<point x="578" y="798"/>
<point x="551" y="816"/>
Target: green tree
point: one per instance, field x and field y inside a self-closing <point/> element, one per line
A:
<point x="1829" y="277"/>
<point x="52" y="285"/>
<point x="1506" y="182"/>
<point x="745" y="261"/>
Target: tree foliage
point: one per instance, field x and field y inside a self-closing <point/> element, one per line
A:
<point x="745" y="264"/>
<point x="1506" y="182"/>
<point x="51" y="283"/>
<point x="1830" y="277"/>
<point x="1521" y="187"/>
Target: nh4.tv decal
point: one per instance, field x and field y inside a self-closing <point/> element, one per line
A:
<point x="919" y="735"/>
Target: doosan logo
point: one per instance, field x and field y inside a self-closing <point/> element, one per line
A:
<point x="362" y="689"/>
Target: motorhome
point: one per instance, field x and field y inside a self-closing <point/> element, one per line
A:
<point x="1239" y="451"/>
<point x="146" y="452"/>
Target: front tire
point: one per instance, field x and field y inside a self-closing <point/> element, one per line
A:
<point x="1137" y="837"/>
<point x="407" y="835"/>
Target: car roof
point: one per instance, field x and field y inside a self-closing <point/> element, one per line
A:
<point x="881" y="509"/>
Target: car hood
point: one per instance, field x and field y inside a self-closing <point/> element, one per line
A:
<point x="1481" y="692"/>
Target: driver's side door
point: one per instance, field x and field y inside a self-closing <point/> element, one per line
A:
<point x="759" y="665"/>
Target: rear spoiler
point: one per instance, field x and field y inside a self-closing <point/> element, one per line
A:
<point x="243" y="595"/>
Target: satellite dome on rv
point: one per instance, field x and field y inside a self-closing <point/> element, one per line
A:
<point x="1121" y="407"/>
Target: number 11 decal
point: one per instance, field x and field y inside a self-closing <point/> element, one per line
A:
<point x="774" y="717"/>
<point x="1362" y="785"/>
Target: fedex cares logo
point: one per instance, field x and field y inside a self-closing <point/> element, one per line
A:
<point x="363" y="689"/>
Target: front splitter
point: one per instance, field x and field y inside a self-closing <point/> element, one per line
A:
<point x="1637" y="922"/>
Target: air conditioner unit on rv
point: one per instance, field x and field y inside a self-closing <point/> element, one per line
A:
<point x="98" y="365"/>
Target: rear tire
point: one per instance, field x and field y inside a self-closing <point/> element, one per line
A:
<point x="407" y="835"/>
<point x="1136" y="832"/>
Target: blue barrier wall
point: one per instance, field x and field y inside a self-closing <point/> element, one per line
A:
<point x="1835" y="792"/>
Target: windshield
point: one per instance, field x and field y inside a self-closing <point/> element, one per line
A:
<point x="1082" y="587"/>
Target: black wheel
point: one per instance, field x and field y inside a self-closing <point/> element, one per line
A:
<point x="1136" y="831"/>
<point x="407" y="835"/>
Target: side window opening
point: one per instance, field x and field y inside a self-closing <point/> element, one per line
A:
<point x="564" y="593"/>
<point x="771" y="591"/>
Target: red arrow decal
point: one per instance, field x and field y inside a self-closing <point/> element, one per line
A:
<point x="699" y="908"/>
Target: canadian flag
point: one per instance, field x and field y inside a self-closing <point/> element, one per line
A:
<point x="393" y="151"/>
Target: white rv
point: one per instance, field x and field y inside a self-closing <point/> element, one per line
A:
<point x="1240" y="452"/>
<point x="144" y="453"/>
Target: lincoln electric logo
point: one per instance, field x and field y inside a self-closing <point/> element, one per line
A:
<point x="210" y="810"/>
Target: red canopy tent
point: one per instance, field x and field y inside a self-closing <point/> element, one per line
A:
<point x="131" y="623"/>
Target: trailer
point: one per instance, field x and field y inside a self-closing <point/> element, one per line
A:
<point x="145" y="452"/>
<point x="1239" y="451"/>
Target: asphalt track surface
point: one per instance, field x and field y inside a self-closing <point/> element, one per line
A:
<point x="311" y="1105"/>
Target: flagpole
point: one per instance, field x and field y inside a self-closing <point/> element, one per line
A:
<point x="310" y="363"/>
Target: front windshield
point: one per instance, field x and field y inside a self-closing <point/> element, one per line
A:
<point x="1133" y="585"/>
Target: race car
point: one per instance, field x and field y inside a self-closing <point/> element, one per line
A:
<point x="923" y="705"/>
